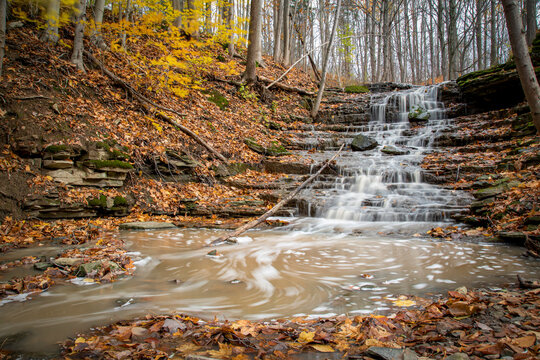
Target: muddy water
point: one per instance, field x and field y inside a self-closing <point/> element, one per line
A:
<point x="269" y="274"/>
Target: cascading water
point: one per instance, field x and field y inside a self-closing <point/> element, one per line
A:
<point x="390" y="187"/>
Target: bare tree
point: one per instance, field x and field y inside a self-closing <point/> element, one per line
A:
<point x="524" y="66"/>
<point x="254" y="39"/>
<point x="531" y="20"/>
<point x="317" y="103"/>
<point x="78" y="45"/>
<point x="96" y="37"/>
<point x="3" y="16"/>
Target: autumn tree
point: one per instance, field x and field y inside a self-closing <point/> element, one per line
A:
<point x="3" y="16"/>
<point x="524" y="66"/>
<point x="254" y="39"/>
<point x="78" y="45"/>
<point x="52" y="16"/>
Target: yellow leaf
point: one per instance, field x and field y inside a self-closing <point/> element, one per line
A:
<point x="306" y="337"/>
<point x="323" y="348"/>
<point x="404" y="303"/>
<point x="80" y="340"/>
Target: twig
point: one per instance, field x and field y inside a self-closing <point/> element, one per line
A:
<point x="143" y="100"/>
<point x="224" y="239"/>
<point x="285" y="87"/>
<point x="31" y="97"/>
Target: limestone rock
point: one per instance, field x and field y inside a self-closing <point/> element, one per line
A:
<point x="418" y="113"/>
<point x="57" y="164"/>
<point x="363" y="143"/>
<point x="392" y="150"/>
<point x="88" y="268"/>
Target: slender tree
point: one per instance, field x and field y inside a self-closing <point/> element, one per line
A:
<point x="78" y="45"/>
<point x="96" y="37"/>
<point x="317" y="103"/>
<point x="3" y="16"/>
<point x="254" y="39"/>
<point x="531" y="20"/>
<point x="524" y="66"/>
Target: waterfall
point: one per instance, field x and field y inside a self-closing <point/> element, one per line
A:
<point x="391" y="188"/>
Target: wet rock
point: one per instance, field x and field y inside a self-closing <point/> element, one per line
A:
<point x="88" y="268"/>
<point x="533" y="220"/>
<point x="513" y="237"/>
<point x="462" y="290"/>
<point x="363" y="143"/>
<point x="42" y="266"/>
<point x="146" y="225"/>
<point x="139" y="333"/>
<point x="390" y="353"/>
<point x="418" y="114"/>
<point x="494" y="190"/>
<point x="392" y="150"/>
<point x="68" y="261"/>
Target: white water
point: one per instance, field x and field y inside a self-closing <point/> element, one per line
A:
<point x="390" y="188"/>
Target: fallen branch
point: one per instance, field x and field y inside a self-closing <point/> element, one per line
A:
<point x="285" y="87"/>
<point x="31" y="97"/>
<point x="225" y="238"/>
<point x="527" y="284"/>
<point x="143" y="100"/>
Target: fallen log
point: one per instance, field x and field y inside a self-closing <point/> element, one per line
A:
<point x="164" y="117"/>
<point x="226" y="238"/>
<point x="285" y="87"/>
<point x="528" y="284"/>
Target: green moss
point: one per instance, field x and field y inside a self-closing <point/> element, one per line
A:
<point x="103" y="145"/>
<point x="100" y="201"/>
<point x="218" y="99"/>
<point x="119" y="155"/>
<point x="356" y="89"/>
<point x="111" y="163"/>
<point x="120" y="201"/>
<point x="55" y="149"/>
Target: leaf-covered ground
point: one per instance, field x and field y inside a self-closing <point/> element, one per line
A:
<point x="482" y="324"/>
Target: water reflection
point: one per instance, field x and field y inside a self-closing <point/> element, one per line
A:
<point x="269" y="274"/>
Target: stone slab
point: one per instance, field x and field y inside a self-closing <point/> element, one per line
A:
<point x="146" y="225"/>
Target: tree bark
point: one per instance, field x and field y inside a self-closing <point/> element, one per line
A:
<point x="192" y="21"/>
<point x="317" y="102"/>
<point x="50" y="34"/>
<point x="178" y="5"/>
<point x="277" y="29"/>
<point x="229" y="22"/>
<point x="96" y="37"/>
<point x="493" y="32"/>
<point x="78" y="44"/>
<point x="478" y="34"/>
<point x="524" y="66"/>
<point x="223" y="239"/>
<point x="3" y="15"/>
<point x="286" y="33"/>
<point x="254" y="40"/>
<point x="531" y="21"/>
<point x="452" y="39"/>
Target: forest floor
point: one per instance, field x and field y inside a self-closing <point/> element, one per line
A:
<point x="45" y="102"/>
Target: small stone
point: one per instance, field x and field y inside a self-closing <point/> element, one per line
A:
<point x="462" y="290"/>
<point x="42" y="266"/>
<point x="139" y="332"/>
<point x="458" y="356"/>
<point x="68" y="261"/>
<point x="392" y="150"/>
<point x="385" y="353"/>
<point x="55" y="108"/>
<point x="146" y="225"/>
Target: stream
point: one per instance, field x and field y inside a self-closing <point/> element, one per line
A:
<point x="360" y="253"/>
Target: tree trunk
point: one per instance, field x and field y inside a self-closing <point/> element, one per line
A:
<point x="193" y="21"/>
<point x="124" y="24"/>
<point x="478" y="33"/>
<point x="442" y="43"/>
<point x="78" y="44"/>
<point x="3" y="15"/>
<point x="286" y="33"/>
<point x="277" y="29"/>
<point x="524" y="65"/>
<point x="96" y="37"/>
<point x="254" y="40"/>
<point x="53" y="16"/>
<point x="452" y="39"/>
<point x="317" y="103"/>
<point x="531" y="21"/>
<point x="493" y="32"/>
<point x="229" y="22"/>
<point x="178" y="5"/>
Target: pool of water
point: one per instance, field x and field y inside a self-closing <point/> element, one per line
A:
<point x="269" y="274"/>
